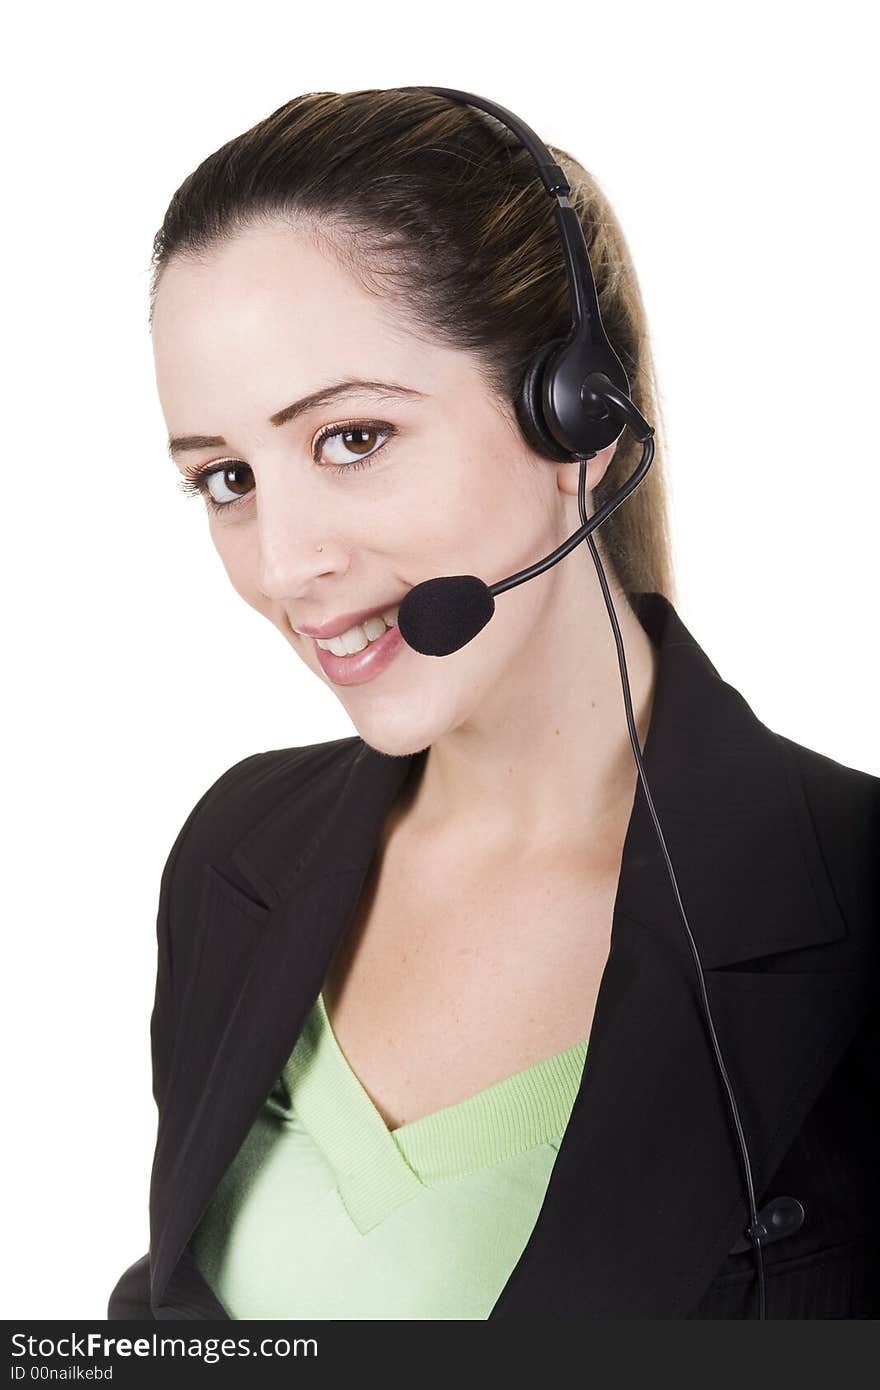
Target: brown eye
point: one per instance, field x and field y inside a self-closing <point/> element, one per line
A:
<point x="359" y="439"/>
<point x="234" y="478"/>
<point x="351" y="445"/>
<point x="214" y="482"/>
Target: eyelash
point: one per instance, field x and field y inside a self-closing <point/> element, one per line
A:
<point x="195" y="482"/>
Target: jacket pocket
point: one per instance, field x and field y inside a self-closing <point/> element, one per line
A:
<point x="241" y="906"/>
<point x="836" y="1281"/>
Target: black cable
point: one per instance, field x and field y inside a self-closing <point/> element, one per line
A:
<point x="648" y="450"/>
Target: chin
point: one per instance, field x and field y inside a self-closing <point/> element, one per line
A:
<point x="404" y="731"/>
<point x="393" y="751"/>
<point x="394" y="743"/>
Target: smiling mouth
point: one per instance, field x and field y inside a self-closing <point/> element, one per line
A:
<point x="361" y="635"/>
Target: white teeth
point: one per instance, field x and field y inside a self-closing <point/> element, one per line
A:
<point x="374" y="627"/>
<point x="356" y="638"/>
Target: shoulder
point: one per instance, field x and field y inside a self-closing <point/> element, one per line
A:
<point x="230" y="807"/>
<point x="844" y="801"/>
<point x="843" y="809"/>
<point x="827" y="780"/>
<point x="251" y="788"/>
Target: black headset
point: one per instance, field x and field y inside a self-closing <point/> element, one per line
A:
<point x="573" y="401"/>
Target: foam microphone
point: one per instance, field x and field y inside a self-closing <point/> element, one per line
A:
<point x="441" y="615"/>
<point x="438" y="616"/>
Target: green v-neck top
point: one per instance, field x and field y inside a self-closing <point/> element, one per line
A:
<point x="326" y="1213"/>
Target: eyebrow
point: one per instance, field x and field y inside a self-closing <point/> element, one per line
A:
<point x="179" y="444"/>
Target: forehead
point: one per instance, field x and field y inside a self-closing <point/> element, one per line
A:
<point x="250" y="273"/>
<point x="270" y="308"/>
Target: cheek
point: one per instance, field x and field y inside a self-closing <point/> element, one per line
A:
<point x="240" y="558"/>
<point x="451" y="517"/>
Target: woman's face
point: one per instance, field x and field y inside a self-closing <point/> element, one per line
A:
<point x="437" y="480"/>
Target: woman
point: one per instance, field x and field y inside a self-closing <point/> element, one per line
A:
<point x="427" y="1038"/>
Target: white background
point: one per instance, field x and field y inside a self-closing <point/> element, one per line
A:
<point x="736" y="144"/>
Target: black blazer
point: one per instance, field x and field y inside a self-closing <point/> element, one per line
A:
<point x="776" y="852"/>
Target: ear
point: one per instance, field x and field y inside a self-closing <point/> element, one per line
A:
<point x="567" y="474"/>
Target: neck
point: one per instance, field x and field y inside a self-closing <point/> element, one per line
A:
<point x="546" y="763"/>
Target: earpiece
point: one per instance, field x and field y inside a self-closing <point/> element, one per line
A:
<point x="558" y="413"/>
<point x="530" y="409"/>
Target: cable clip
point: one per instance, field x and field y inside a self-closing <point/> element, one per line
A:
<point x="780" y="1218"/>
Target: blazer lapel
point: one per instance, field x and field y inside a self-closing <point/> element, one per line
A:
<point x="647" y="1194"/>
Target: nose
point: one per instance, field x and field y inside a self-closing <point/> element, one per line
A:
<point x="295" y="542"/>
<point x="287" y="569"/>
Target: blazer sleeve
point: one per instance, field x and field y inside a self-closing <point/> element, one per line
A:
<point x="130" y="1296"/>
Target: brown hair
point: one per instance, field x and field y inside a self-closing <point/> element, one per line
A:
<point x="437" y="205"/>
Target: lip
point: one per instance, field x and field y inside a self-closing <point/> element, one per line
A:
<point x="364" y="665"/>
<point x="337" y="626"/>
